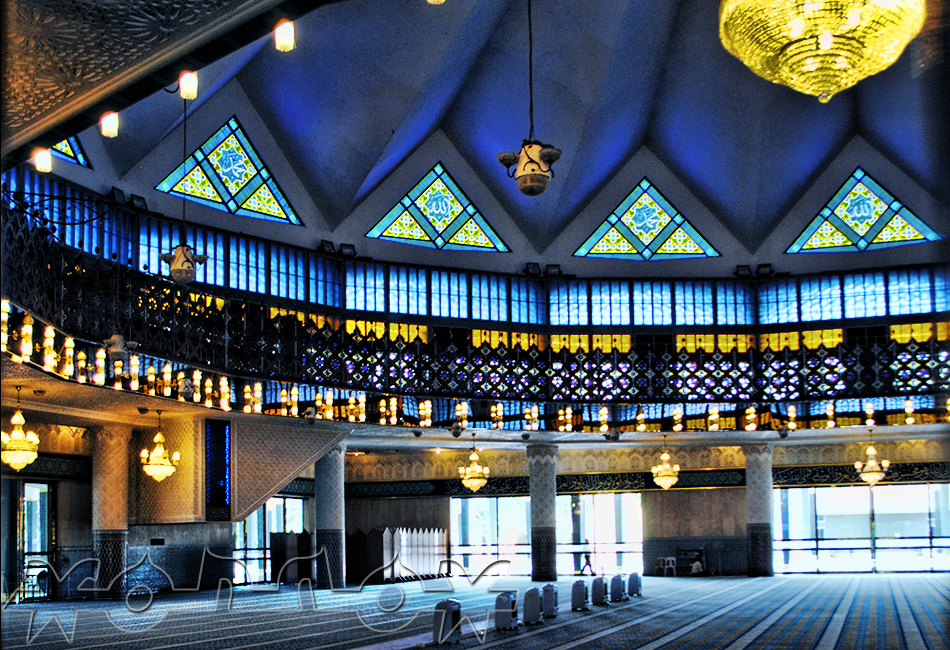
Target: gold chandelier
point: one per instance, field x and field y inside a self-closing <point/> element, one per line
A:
<point x="19" y="447"/>
<point x="664" y="474"/>
<point x="474" y="475"/>
<point x="819" y="47"/>
<point x="872" y="471"/>
<point x="156" y="463"/>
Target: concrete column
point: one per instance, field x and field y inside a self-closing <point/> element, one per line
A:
<point x="328" y="523"/>
<point x="542" y="486"/>
<point x="110" y="505"/>
<point x="758" y="481"/>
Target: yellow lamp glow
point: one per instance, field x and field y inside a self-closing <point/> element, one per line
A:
<point x="43" y="160"/>
<point x="664" y="474"/>
<point x="284" y="36"/>
<point x="188" y="85"/>
<point x="109" y="124"/>
<point x="818" y="48"/>
<point x="156" y="462"/>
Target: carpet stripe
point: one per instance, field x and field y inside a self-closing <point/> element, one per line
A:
<point x="829" y="639"/>
<point x="746" y="639"/>
<point x="905" y="617"/>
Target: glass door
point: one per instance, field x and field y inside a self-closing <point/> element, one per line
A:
<point x="36" y="535"/>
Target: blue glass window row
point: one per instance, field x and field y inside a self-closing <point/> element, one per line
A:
<point x="78" y="219"/>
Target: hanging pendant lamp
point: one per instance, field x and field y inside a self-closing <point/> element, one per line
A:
<point x="531" y="167"/>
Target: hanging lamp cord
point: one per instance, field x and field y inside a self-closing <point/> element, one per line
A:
<point x="184" y="157"/>
<point x="530" y="76"/>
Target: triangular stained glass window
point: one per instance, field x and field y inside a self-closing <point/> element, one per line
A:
<point x="862" y="216"/>
<point x="70" y="149"/>
<point x="645" y="227"/>
<point x="227" y="173"/>
<point x="437" y="214"/>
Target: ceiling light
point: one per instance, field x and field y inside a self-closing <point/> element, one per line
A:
<point x="664" y="474"/>
<point x="818" y="48"/>
<point x="284" y="36"/>
<point x="19" y="447"/>
<point x="109" y="124"/>
<point x="43" y="161"/>
<point x="156" y="463"/>
<point x="188" y="85"/>
<point x="871" y="471"/>
<point x="474" y="475"/>
<point x="531" y="167"/>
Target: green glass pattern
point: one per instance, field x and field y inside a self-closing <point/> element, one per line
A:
<point x="862" y="216"/>
<point x="436" y="213"/>
<point x="645" y="226"/>
<point x="70" y="150"/>
<point x="227" y="173"/>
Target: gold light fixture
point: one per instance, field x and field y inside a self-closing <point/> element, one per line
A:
<point x="871" y="471"/>
<point x="531" y="167"/>
<point x="818" y="47"/>
<point x="284" y="39"/>
<point x="43" y="160"/>
<point x="156" y="463"/>
<point x="19" y="446"/>
<point x="474" y="475"/>
<point x="664" y="474"/>
<point x="109" y="124"/>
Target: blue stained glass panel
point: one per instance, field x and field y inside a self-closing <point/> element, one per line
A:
<point x="610" y="303"/>
<point x="909" y="292"/>
<point x="941" y="290"/>
<point x="489" y="298"/>
<point x="864" y="295"/>
<point x="527" y="302"/>
<point x="735" y="304"/>
<point x="365" y="286"/>
<point x="694" y="303"/>
<point x="652" y="303"/>
<point x="820" y="298"/>
<point x="778" y="302"/>
<point x="407" y="291"/>
<point x="449" y="294"/>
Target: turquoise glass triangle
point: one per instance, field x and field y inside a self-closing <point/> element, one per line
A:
<point x="436" y="213"/>
<point x="70" y="150"/>
<point x="645" y="226"/>
<point x="862" y="216"/>
<point x="227" y="173"/>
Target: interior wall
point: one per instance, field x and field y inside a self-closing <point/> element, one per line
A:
<point x="422" y="512"/>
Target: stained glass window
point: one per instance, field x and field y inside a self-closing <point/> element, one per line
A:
<point x="227" y="173"/>
<point x="645" y="227"/>
<point x="861" y="216"/>
<point x="436" y="213"/>
<point x="70" y="150"/>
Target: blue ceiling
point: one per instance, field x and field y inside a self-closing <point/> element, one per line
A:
<point x="371" y="80"/>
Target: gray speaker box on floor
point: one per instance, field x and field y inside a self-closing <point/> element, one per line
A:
<point x="549" y="601"/>
<point x="446" y="621"/>
<point x="598" y="590"/>
<point x="579" y="599"/>
<point x="506" y="611"/>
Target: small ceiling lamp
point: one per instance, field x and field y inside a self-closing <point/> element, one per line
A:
<point x="156" y="463"/>
<point x="818" y="47"/>
<point x="188" y="85"/>
<point x="474" y="475"/>
<point x="908" y="411"/>
<point x="461" y="420"/>
<point x="664" y="474"/>
<point x="284" y="36"/>
<point x="871" y="471"/>
<point x="19" y="447"/>
<point x="435" y="2"/>
<point x="43" y="160"/>
<point x="531" y="167"/>
<point x="109" y="124"/>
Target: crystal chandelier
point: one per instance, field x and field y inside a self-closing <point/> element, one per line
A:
<point x="664" y="474"/>
<point x="155" y="463"/>
<point x="474" y="475"/>
<point x="872" y="471"/>
<point x="818" y="47"/>
<point x="19" y="447"/>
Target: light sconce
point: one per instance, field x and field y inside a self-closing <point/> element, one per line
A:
<point x="871" y="471"/>
<point x="604" y="415"/>
<point x="818" y="47"/>
<point x="830" y="414"/>
<point x="869" y="414"/>
<point x="641" y="419"/>
<point x="678" y="419"/>
<point x="26" y="338"/>
<point x="188" y="85"/>
<point x="284" y="36"/>
<point x="531" y="167"/>
<point x="713" y="418"/>
<point x="908" y="411"/>
<point x="531" y="418"/>
<point x="19" y="447"/>
<point x="109" y="124"/>
<point x="156" y="463"/>
<point x="43" y="160"/>
<point x="475" y="475"/>
<point x="664" y="474"/>
<point x="792" y="414"/>
<point x="497" y="415"/>
<point x="750" y="419"/>
<point x="565" y="419"/>
<point x="461" y="420"/>
<point x="425" y="414"/>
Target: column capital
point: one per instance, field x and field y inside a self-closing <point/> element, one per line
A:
<point x="111" y="433"/>
<point x="541" y="452"/>
<point x="758" y="450"/>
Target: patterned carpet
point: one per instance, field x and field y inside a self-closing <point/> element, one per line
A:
<point x="827" y="612"/>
